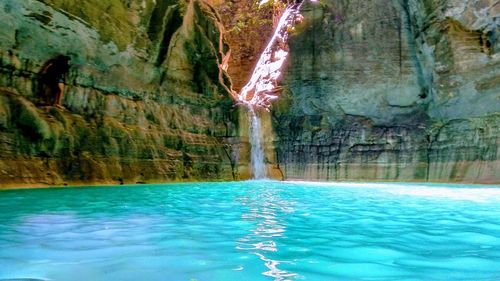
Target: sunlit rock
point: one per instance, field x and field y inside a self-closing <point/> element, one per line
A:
<point x="143" y="99"/>
<point x="392" y="90"/>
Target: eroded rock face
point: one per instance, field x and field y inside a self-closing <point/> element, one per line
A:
<point x="388" y="90"/>
<point x="144" y="99"/>
<point x="392" y="90"/>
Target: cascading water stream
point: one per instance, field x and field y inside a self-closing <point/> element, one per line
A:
<point x="262" y="88"/>
<point x="257" y="150"/>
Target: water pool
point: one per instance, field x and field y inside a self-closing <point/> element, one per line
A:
<point x="260" y="230"/>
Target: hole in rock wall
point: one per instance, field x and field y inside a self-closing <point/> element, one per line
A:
<point x="485" y="43"/>
<point x="51" y="76"/>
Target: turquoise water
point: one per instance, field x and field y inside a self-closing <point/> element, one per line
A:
<point x="252" y="231"/>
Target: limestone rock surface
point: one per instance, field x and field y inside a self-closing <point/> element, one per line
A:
<point x="144" y="102"/>
<point x="374" y="90"/>
<point x="392" y="90"/>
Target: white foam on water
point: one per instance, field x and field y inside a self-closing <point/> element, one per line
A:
<point x="478" y="193"/>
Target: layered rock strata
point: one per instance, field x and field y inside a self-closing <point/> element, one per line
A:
<point x="392" y="90"/>
<point x="144" y="99"/>
<point x="374" y="90"/>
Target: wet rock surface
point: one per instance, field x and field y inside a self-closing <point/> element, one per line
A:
<point x="392" y="90"/>
<point x="374" y="90"/>
<point x="143" y="99"/>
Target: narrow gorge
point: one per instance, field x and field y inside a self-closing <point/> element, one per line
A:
<point x="399" y="90"/>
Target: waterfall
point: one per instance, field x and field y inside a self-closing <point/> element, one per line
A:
<point x="257" y="150"/>
<point x="262" y="87"/>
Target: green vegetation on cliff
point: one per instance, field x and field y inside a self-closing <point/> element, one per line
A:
<point x="134" y="113"/>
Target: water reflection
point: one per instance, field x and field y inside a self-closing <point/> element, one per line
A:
<point x="269" y="212"/>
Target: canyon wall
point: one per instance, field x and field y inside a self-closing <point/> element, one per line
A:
<point x="374" y="90"/>
<point x="145" y="99"/>
<point x="392" y="90"/>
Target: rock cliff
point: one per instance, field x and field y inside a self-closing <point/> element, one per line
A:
<point x="392" y="90"/>
<point x="374" y="90"/>
<point x="145" y="99"/>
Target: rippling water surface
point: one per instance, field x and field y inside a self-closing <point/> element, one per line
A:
<point x="252" y="231"/>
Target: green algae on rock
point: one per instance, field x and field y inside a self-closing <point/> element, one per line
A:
<point x="133" y="113"/>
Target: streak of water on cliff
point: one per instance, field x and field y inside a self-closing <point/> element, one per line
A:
<point x="257" y="150"/>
